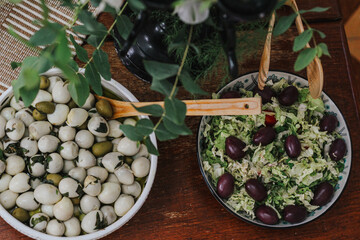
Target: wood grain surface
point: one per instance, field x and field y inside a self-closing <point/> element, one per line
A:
<point x="180" y="206"/>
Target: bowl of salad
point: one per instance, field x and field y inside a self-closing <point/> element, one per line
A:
<point x="284" y="167"/>
<point x="68" y="171"/>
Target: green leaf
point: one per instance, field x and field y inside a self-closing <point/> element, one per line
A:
<point x="62" y="51"/>
<point x="163" y="134"/>
<point x="79" y="89"/>
<point x="30" y="90"/>
<point x="44" y="36"/>
<point x="136" y="5"/>
<point x="159" y="70"/>
<point x="145" y="126"/>
<point x="124" y="26"/>
<point x="321" y="34"/>
<point x="283" y="24"/>
<point x="73" y="65"/>
<point x="301" y="40"/>
<point x="95" y="3"/>
<point x="150" y="146"/>
<point x="93" y="78"/>
<point x="324" y="49"/>
<point x="131" y="132"/>
<point x="94" y="40"/>
<point x="315" y="9"/>
<point x="154" y="110"/>
<point x="175" y="110"/>
<point x="190" y="85"/>
<point x="81" y="29"/>
<point x="101" y="61"/>
<point x="15" y="1"/>
<point x="91" y="24"/>
<point x="80" y="51"/>
<point x="305" y="57"/>
<point x="176" y="129"/>
<point x="163" y="87"/>
<point x="15" y="65"/>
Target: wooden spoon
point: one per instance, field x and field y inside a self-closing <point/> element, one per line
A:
<point x="203" y="107"/>
<point x="265" y="58"/>
<point x="315" y="73"/>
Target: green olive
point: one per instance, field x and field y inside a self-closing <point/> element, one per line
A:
<point x="38" y="116"/>
<point x="102" y="148"/>
<point x="104" y="108"/>
<point x="72" y="104"/>
<point x="44" y="82"/>
<point x="38" y="210"/>
<point x="129" y="160"/>
<point x="83" y="126"/>
<point x="21" y="214"/>
<point x="45" y="107"/>
<point x="81" y="217"/>
<point x="75" y="201"/>
<point x="54" y="178"/>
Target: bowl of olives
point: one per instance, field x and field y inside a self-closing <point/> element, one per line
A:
<point x="284" y="167"/>
<point x="68" y="171"/>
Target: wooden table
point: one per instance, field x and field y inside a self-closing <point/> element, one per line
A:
<point x="180" y="206"/>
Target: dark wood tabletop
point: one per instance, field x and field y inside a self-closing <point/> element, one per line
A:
<point x="180" y="206"/>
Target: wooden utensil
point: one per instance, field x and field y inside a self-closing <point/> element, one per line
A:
<point x="265" y="58"/>
<point x="203" y="107"/>
<point x="315" y="73"/>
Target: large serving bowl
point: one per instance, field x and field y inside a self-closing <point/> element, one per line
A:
<point x="249" y="81"/>
<point x="124" y="94"/>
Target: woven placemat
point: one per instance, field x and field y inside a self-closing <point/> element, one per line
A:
<point x="20" y="18"/>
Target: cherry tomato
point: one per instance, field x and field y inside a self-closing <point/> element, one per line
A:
<point x="270" y="120"/>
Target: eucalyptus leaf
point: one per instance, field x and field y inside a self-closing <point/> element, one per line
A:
<point x="80" y="51"/>
<point x="189" y="84"/>
<point x="324" y="49"/>
<point x="73" y="65"/>
<point x="176" y="129"/>
<point x="163" y="87"/>
<point x="304" y="59"/>
<point x="301" y="40"/>
<point x="131" y="132"/>
<point x="321" y="34"/>
<point x="90" y="23"/>
<point x="284" y="24"/>
<point x="175" y="110"/>
<point x="101" y="61"/>
<point x="30" y="90"/>
<point x="15" y="65"/>
<point x="95" y="40"/>
<point x="124" y="26"/>
<point x="154" y="110"/>
<point x="163" y="134"/>
<point x="159" y="70"/>
<point x="81" y="29"/>
<point x="79" y="89"/>
<point x="150" y="146"/>
<point x="62" y="51"/>
<point x="93" y="78"/>
<point x="136" y="5"/>
<point x="315" y="9"/>
<point x="44" y="36"/>
<point x="145" y="126"/>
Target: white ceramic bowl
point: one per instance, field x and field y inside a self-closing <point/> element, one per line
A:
<point x="124" y="94"/>
<point x="249" y="81"/>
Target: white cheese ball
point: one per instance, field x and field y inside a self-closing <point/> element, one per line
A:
<point x="72" y="227"/>
<point x="36" y="165"/>
<point x="67" y="133"/>
<point x="124" y="175"/>
<point x="112" y="178"/>
<point x="115" y="143"/>
<point x="25" y="115"/>
<point x="35" y="182"/>
<point x="39" y="221"/>
<point x="16" y="105"/>
<point x="68" y="165"/>
<point x="128" y="147"/>
<point x="20" y="183"/>
<point x="42" y="96"/>
<point x="123" y="204"/>
<point x="64" y="209"/>
<point x="30" y="146"/>
<point x="2" y="126"/>
<point x="8" y="113"/>
<point x="69" y="150"/>
<point x="84" y="139"/>
<point x="78" y="173"/>
<point x="27" y="201"/>
<point x="69" y="187"/>
<point x="39" y="128"/>
<point x="92" y="186"/>
<point x="53" y="80"/>
<point x="90" y="102"/>
<point x="76" y="117"/>
<point x="55" y="228"/>
<point x="109" y="214"/>
<point x="115" y="131"/>
<point x="98" y="172"/>
<point x="98" y="126"/>
<point x="4" y="182"/>
<point x="58" y="117"/>
<point x="55" y="163"/>
<point x="100" y="139"/>
<point x="112" y="161"/>
<point x="140" y="167"/>
<point x="48" y="143"/>
<point x="132" y="189"/>
<point x="93" y="112"/>
<point x="48" y="210"/>
<point x="2" y="167"/>
<point x="89" y="203"/>
<point x="47" y="194"/>
<point x="86" y="159"/>
<point x="60" y="92"/>
<point x="143" y="152"/>
<point x="15" y="129"/>
<point x="14" y="165"/>
<point x="109" y="192"/>
<point x="8" y="199"/>
<point x="88" y="223"/>
<point x="130" y="121"/>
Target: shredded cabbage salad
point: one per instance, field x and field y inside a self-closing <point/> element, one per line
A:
<point x="288" y="181"/>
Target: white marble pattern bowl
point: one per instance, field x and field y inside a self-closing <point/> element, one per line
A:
<point x="249" y="81"/>
<point x="126" y="95"/>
